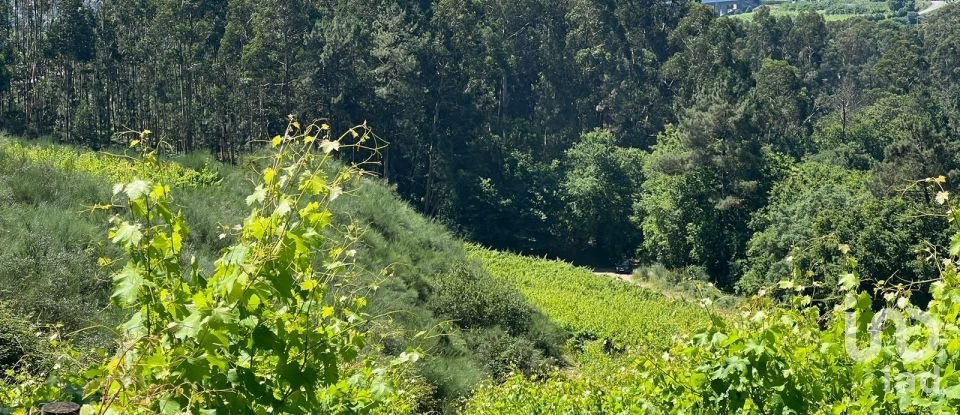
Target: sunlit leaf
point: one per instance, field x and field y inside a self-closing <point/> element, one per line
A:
<point x="258" y="196"/>
<point x="848" y="281"/>
<point x="943" y="197"/>
<point x="137" y="189"/>
<point x="127" y="284"/>
<point x="308" y="285"/>
<point x="126" y="234"/>
<point x="329" y="146"/>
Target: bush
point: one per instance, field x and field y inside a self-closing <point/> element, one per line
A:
<point x="20" y="348"/>
<point x="49" y="265"/>
<point x="117" y="169"/>
<point x="503" y="354"/>
<point x="818" y="208"/>
<point x="472" y="301"/>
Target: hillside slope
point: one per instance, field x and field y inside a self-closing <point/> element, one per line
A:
<point x="420" y="283"/>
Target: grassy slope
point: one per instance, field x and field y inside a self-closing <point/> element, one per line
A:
<point x="473" y="327"/>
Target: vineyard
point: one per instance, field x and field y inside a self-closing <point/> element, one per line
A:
<point x="497" y="332"/>
<point x="774" y="358"/>
<point x="592" y="306"/>
<point x="238" y="207"/>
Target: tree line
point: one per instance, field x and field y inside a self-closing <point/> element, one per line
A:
<point x="586" y="129"/>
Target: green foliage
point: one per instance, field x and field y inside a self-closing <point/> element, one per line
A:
<point x="601" y="182"/>
<point x="671" y="204"/>
<point x="901" y="138"/>
<point x="501" y="331"/>
<point x="6" y="51"/>
<point x="782" y="106"/>
<point x="110" y="167"/>
<point x="73" y="34"/>
<point x="20" y="347"/>
<point x="778" y="358"/>
<point x="266" y="331"/>
<point x="859" y="139"/>
<point x="403" y="263"/>
<point x="820" y="207"/>
<point x="521" y="192"/>
<point x="520" y="124"/>
<point x="604" y="384"/>
<point x="901" y="7"/>
<point x="472" y="301"/>
<point x="49" y="269"/>
<point x="691" y="284"/>
<point x="268" y="327"/>
<point x="592" y="306"/>
<point x="809" y="215"/>
<point x="503" y="354"/>
<point x="427" y="292"/>
<point x="702" y="185"/>
<point x="491" y="107"/>
<point x="838" y="7"/>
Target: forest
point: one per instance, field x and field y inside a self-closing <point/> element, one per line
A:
<point x="417" y="179"/>
<point x="548" y="127"/>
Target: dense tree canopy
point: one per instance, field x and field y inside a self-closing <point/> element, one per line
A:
<point x="522" y="123"/>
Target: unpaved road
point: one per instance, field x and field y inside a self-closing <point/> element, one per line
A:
<point x="642" y="284"/>
<point x="934" y="6"/>
<point x="625" y="277"/>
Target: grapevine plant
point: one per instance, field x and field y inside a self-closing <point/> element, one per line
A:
<point x="273" y="328"/>
<point x="803" y="357"/>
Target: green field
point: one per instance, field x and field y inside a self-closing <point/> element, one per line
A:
<point x="832" y="10"/>
<point x="779" y="12"/>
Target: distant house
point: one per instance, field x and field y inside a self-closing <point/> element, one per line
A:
<point x="725" y="7"/>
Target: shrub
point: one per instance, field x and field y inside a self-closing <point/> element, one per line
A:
<point x="472" y="301"/>
<point x="115" y="168"/>
<point x="818" y="208"/>
<point x="48" y="267"/>
<point x="503" y="354"/>
<point x="18" y="343"/>
<point x="691" y="283"/>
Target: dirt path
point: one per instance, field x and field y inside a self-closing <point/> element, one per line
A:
<point x="934" y="6"/>
<point x="624" y="277"/>
<point x="642" y="284"/>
